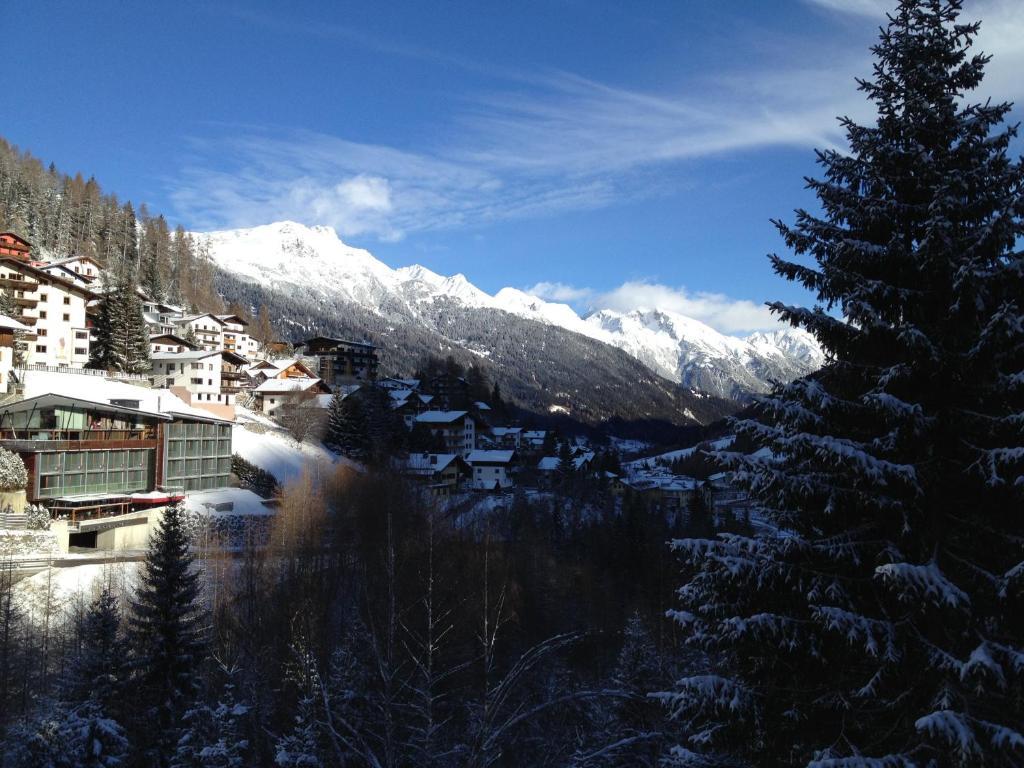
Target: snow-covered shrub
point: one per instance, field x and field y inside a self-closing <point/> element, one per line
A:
<point x="13" y="476"/>
<point x="37" y="517"/>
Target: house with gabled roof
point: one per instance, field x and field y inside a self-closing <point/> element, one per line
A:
<point x="442" y="473"/>
<point x="492" y="470"/>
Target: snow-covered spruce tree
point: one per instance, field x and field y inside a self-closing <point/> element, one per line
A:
<point x="347" y="427"/>
<point x="214" y="736"/>
<point x="121" y="337"/>
<point x="882" y="624"/>
<point x="166" y="633"/>
<point x="82" y="725"/>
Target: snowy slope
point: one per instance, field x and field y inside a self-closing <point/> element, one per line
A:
<point x="312" y="264"/>
<point x="261" y="442"/>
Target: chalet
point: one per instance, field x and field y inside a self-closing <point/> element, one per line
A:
<point x="292" y="368"/>
<point x="491" y="469"/>
<point x="455" y="429"/>
<point x="168" y="342"/>
<point x="341" y="361"/>
<point x="441" y="472"/>
<point x="95" y="447"/>
<point x="274" y="393"/>
<point x="55" y="311"/>
<point x="15" y="247"/>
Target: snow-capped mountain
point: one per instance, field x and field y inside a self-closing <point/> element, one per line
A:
<point x="694" y="354"/>
<point x="313" y="265"/>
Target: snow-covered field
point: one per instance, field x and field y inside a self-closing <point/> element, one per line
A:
<point x="260" y="441"/>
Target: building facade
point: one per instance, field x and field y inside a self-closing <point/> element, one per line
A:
<point x="343" y="362"/>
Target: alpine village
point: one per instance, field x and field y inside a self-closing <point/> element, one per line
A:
<point x="266" y="501"/>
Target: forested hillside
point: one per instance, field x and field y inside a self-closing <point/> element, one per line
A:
<point x="64" y="215"/>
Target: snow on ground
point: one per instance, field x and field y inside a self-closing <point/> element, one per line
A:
<point x="227" y="501"/>
<point x="72" y="588"/>
<point x="715" y="445"/>
<point x="260" y="441"/>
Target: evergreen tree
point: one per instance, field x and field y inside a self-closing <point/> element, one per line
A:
<point x="213" y="736"/>
<point x="883" y="624"/>
<point x="166" y="636"/>
<point x="121" y="335"/>
<point x="566" y="464"/>
<point x="190" y="336"/>
<point x="347" y="427"/>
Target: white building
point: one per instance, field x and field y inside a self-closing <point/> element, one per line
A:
<point x="54" y="310"/>
<point x="236" y="338"/>
<point x="456" y="429"/>
<point x="208" y="328"/>
<point x="491" y="469"/>
<point x="194" y="375"/>
<point x="81" y="270"/>
<point x="273" y="393"/>
<point x="168" y="342"/>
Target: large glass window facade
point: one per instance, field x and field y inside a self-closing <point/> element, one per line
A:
<point x="198" y="456"/>
<point x="69" y="473"/>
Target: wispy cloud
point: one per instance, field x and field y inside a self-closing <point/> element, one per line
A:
<point x="566" y="294"/>
<point x="538" y="144"/>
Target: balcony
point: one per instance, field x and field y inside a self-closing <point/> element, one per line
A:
<point x="75" y="437"/>
<point x="18" y="285"/>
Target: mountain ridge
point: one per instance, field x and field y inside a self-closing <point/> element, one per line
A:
<point x="676" y="347"/>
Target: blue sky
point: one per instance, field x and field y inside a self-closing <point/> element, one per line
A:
<point x="605" y="153"/>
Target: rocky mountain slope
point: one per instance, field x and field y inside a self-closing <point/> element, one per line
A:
<point x="543" y="353"/>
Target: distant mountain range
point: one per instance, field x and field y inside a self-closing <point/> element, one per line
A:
<point x="676" y="368"/>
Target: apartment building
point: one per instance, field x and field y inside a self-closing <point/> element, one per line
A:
<point x="208" y="329"/>
<point x="54" y="309"/>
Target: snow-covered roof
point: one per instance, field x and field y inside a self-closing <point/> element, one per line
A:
<point x="10" y="322"/>
<point x="193" y="318"/>
<point x="481" y="406"/>
<point x="503" y="431"/>
<point x="490" y="457"/>
<point x="548" y="464"/>
<point x="440" y="417"/>
<point x="228" y="501"/>
<point x="99" y="389"/>
<point x="287" y="385"/>
<point x="428" y="463"/>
